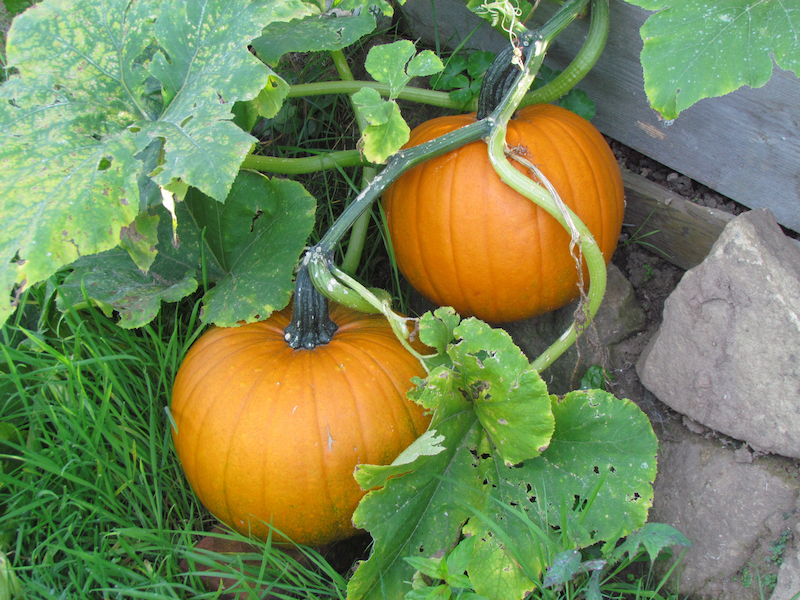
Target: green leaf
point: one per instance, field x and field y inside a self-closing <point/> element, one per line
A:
<point x="254" y="241"/>
<point x="458" y="560"/>
<point x="576" y="100"/>
<point x="270" y="99"/>
<point x="494" y="571"/>
<point x="140" y="240"/>
<point x="436" y="329"/>
<point x="15" y="7"/>
<point x="423" y="64"/>
<point x="478" y="63"/>
<point x="595" y="378"/>
<point x="250" y="245"/>
<point x="439" y="592"/>
<point x="510" y="398"/>
<point x="366" y="5"/>
<point x="86" y="108"/>
<point x="432" y="567"/>
<point x="113" y="281"/>
<point x="209" y="68"/>
<point x="387" y="64"/>
<point x="592" y="483"/>
<point x="565" y="566"/>
<point x="414" y="515"/>
<point x="455" y="65"/>
<point x="599" y="442"/>
<point x="312" y="33"/>
<point x="387" y="131"/>
<point x="375" y="109"/>
<point x="701" y="50"/>
<point x="655" y="537"/>
<point x="393" y="64"/>
<point x="288" y="10"/>
<point x="579" y="102"/>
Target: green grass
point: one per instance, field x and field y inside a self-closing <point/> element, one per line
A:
<point x="93" y="502"/>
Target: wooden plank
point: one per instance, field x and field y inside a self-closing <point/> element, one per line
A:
<point x="745" y="145"/>
<point x="670" y="225"/>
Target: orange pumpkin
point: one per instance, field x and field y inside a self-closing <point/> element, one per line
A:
<point x="463" y="238"/>
<point x="269" y="434"/>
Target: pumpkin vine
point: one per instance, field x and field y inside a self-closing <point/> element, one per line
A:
<point x="505" y="89"/>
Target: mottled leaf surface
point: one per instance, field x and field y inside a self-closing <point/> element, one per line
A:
<point x="414" y="514"/>
<point x="315" y="32"/>
<point x="695" y="50"/>
<point x="249" y="245"/>
<point x="596" y="476"/>
<point x="97" y="83"/>
<point x="113" y="281"/>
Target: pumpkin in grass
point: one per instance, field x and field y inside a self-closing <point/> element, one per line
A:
<point x="269" y="434"/>
<point x="463" y="238"/>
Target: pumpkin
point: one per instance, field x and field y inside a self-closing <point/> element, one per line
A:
<point x="463" y="238"/>
<point x="268" y="434"/>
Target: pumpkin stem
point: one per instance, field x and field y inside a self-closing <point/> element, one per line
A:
<point x="311" y="324"/>
<point x="502" y="74"/>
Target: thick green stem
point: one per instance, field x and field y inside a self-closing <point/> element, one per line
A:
<point x="397" y="165"/>
<point x="308" y="164"/>
<point x="431" y="97"/>
<point x="581" y="64"/>
<point x="539" y="195"/>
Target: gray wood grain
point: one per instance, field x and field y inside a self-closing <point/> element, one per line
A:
<point x="745" y="145"/>
<point x="669" y="225"/>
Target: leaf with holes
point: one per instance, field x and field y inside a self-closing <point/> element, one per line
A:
<point x="410" y="510"/>
<point x="510" y="398"/>
<point x="695" y="50"/>
<point x="96" y="86"/>
<point x="595" y="477"/>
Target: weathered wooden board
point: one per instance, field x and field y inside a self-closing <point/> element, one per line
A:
<point x="745" y="145"/>
<point x="671" y="226"/>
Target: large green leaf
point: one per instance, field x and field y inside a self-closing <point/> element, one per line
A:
<point x="254" y="241"/>
<point x="585" y="471"/>
<point x="595" y="477"/>
<point x="421" y="505"/>
<point x="95" y="85"/>
<point x="695" y="50"/>
<point x="314" y="32"/>
<point x="249" y="245"/>
<point x="413" y="512"/>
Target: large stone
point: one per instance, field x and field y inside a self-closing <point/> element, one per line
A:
<point x="739" y="515"/>
<point x="618" y="317"/>
<point x="728" y="351"/>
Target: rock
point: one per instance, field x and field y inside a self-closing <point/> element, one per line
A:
<point x="727" y="353"/>
<point x="736" y="514"/>
<point x="618" y="317"/>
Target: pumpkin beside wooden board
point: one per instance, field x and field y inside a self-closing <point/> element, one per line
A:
<point x="463" y="238"/>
